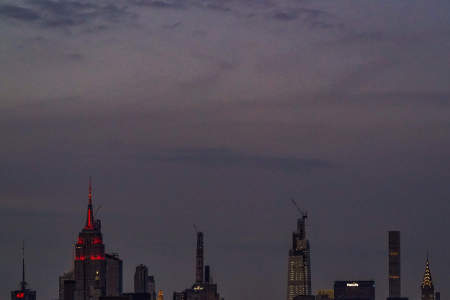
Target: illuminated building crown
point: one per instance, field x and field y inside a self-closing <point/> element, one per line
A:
<point x="427" y="281"/>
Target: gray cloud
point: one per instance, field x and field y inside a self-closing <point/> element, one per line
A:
<point x="62" y="13"/>
<point x="313" y="17"/>
<point x="172" y="26"/>
<point x="72" y="13"/>
<point x="224" y="117"/>
<point x="177" y="4"/>
<point x="17" y="12"/>
<point x="221" y="157"/>
<point x="285" y="16"/>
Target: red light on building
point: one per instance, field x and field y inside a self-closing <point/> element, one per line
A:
<point x="97" y="240"/>
<point x="80" y="258"/>
<point x="97" y="257"/>
<point x="90" y="219"/>
<point x="80" y="241"/>
<point x="20" y="295"/>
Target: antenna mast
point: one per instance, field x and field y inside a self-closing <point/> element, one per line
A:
<point x="23" y="284"/>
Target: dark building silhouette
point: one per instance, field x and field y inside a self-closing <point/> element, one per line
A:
<point x="299" y="262"/>
<point x="114" y="271"/>
<point x="144" y="284"/>
<point x="23" y="293"/>
<point x="394" y="264"/>
<point x="96" y="274"/>
<point x="203" y="288"/>
<point x="199" y="259"/>
<point x="427" y="287"/>
<point x="437" y="296"/>
<point x="179" y="296"/>
<point x="354" y="290"/>
<point x="304" y="297"/>
<point x="151" y="287"/>
<point x="137" y="296"/>
<point x="141" y="279"/>
<point x="66" y="286"/>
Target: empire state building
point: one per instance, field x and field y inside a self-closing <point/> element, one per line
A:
<point x="95" y="273"/>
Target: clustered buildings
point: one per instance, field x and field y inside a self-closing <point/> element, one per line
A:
<point x="299" y="273"/>
<point x="97" y="275"/>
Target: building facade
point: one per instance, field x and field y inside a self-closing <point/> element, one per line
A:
<point x="354" y="290"/>
<point x="394" y="264"/>
<point x="299" y="263"/>
<point x="325" y="295"/>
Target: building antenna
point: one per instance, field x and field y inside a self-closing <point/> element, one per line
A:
<point x="90" y="190"/>
<point x="23" y="284"/>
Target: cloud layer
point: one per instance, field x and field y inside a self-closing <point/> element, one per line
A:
<point x="217" y="112"/>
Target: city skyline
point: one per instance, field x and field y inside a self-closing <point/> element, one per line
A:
<point x="106" y="279"/>
<point x="216" y="113"/>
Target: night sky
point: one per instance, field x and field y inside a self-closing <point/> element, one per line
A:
<point x="217" y="112"/>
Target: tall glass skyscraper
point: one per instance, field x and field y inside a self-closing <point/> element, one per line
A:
<point x="299" y="262"/>
<point x="394" y="264"/>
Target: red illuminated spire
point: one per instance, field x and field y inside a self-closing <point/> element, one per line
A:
<point x="90" y="215"/>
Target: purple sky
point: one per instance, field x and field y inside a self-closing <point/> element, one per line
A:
<point x="216" y="112"/>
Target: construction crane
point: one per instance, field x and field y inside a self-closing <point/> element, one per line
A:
<point x="304" y="214"/>
<point x="96" y="210"/>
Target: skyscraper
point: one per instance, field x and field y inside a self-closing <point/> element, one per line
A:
<point x="23" y="293"/>
<point x="66" y="286"/>
<point x="427" y="286"/>
<point x="114" y="271"/>
<point x="199" y="259"/>
<point x="203" y="287"/>
<point x="96" y="273"/>
<point x="394" y="264"/>
<point x="141" y="279"/>
<point x="299" y="263"/>
<point x="144" y="283"/>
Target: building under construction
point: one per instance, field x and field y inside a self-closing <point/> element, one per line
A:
<point x="299" y="262"/>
